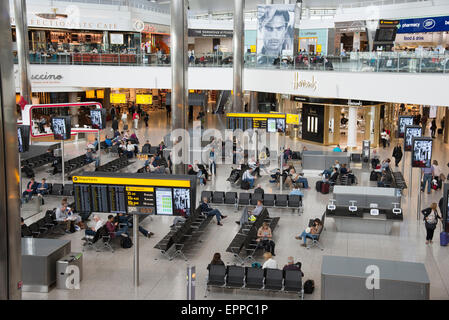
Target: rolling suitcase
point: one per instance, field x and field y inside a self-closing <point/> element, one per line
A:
<point x="444" y="238"/>
<point x="440" y="131"/>
<point x="325" y="188"/>
<point x="318" y="186"/>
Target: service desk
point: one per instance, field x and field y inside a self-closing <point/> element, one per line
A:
<point x="39" y="257"/>
<point x="365" y="196"/>
<point x="345" y="278"/>
<point x="361" y="221"/>
<point x="320" y="160"/>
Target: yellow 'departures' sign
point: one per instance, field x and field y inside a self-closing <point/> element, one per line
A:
<point x="140" y="189"/>
<point x="292" y="119"/>
<point x="118" y="98"/>
<point x="319" y="48"/>
<point x="132" y="181"/>
<point x="100" y="94"/>
<point x="144" y="99"/>
<point x="253" y="49"/>
<point x="256" y="115"/>
<point x="90" y="94"/>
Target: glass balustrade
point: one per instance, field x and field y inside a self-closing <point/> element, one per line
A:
<point x="405" y="62"/>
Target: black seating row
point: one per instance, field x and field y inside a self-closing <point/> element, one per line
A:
<point x="114" y="165"/>
<point x="38" y="161"/>
<point x="184" y="235"/>
<point x="237" y="277"/>
<point x="398" y="180"/>
<point x="246" y="199"/>
<point x="72" y="164"/>
<point x="57" y="189"/>
<point x="47" y="225"/>
<point x="247" y="235"/>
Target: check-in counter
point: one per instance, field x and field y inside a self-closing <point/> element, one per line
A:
<point x="39" y="257"/>
<point x="320" y="160"/>
<point x="346" y="278"/>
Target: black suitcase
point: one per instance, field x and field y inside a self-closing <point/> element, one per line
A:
<point x="373" y="176"/>
<point x="440" y="131"/>
<point x="244" y="185"/>
<point x="318" y="186"/>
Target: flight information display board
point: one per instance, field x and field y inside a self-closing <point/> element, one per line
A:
<point x="271" y="122"/>
<point x="125" y="193"/>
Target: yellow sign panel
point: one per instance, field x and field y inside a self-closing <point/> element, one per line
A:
<point x="318" y="48"/>
<point x="90" y="94"/>
<point x="253" y="49"/>
<point x="140" y="189"/>
<point x="132" y="181"/>
<point x="100" y="94"/>
<point x="118" y="98"/>
<point x="256" y="115"/>
<point x="293" y="119"/>
<point x="191" y="91"/>
<point x="144" y="99"/>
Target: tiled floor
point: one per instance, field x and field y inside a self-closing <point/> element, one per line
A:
<point x="109" y="275"/>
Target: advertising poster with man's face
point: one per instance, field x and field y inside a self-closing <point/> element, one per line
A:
<point x="410" y="133"/>
<point x="403" y="122"/>
<point x="275" y="32"/>
<point x="422" y="153"/>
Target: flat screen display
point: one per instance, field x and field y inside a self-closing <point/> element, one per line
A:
<point x="404" y="121"/>
<point x="410" y="133"/>
<point x="61" y="128"/>
<point x="271" y="125"/>
<point x="422" y="152"/>
<point x="23" y="138"/>
<point x="164" y="201"/>
<point x="386" y="34"/>
<point x="98" y="118"/>
<point x="280" y="125"/>
<point x="181" y="201"/>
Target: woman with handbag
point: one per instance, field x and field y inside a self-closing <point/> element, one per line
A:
<point x="431" y="220"/>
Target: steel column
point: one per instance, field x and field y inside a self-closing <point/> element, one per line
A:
<point x="20" y="13"/>
<point x="136" y="249"/>
<point x="179" y="65"/>
<point x="10" y="240"/>
<point x="237" y="45"/>
<point x="253" y="102"/>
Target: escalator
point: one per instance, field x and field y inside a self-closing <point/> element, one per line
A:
<point x="222" y="102"/>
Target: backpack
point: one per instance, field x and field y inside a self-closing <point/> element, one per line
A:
<point x="244" y="185"/>
<point x="126" y="243"/>
<point x="309" y="286"/>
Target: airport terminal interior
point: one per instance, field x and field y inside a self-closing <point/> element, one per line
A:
<point x="266" y="149"/>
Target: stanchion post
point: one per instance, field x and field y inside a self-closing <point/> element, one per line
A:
<point x="410" y="182"/>
<point x="20" y="177"/>
<point x="136" y="249"/>
<point x="62" y="161"/>
<point x="99" y="148"/>
<point x="418" y="207"/>
<point x="191" y="276"/>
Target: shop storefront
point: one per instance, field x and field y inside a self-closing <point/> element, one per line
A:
<point x="351" y="36"/>
<point x="204" y="41"/>
<point x="313" y="41"/>
<point x="428" y="33"/>
<point x="155" y="37"/>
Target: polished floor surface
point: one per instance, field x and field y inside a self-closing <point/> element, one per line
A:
<point x="109" y="275"/>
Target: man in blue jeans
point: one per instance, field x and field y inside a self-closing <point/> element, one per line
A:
<point x="207" y="210"/>
<point x="311" y="232"/>
<point x="127" y="220"/>
<point x="427" y="177"/>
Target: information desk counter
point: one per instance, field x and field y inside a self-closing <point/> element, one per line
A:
<point x="320" y="160"/>
<point x="39" y="257"/>
<point x="361" y="221"/>
<point x="345" y="278"/>
<point x="365" y="196"/>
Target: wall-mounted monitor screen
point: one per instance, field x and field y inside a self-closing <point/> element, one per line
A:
<point x="61" y="128"/>
<point x="422" y="152"/>
<point x="271" y="125"/>
<point x="98" y="118"/>
<point x="181" y="201"/>
<point x="404" y="121"/>
<point x="410" y="133"/>
<point x="164" y="201"/>
<point x="23" y="138"/>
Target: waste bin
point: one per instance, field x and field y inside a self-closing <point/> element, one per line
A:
<point x="71" y="266"/>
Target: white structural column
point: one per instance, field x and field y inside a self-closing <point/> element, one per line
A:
<point x="20" y="13"/>
<point x="352" y="127"/>
<point x="74" y="110"/>
<point x="179" y="64"/>
<point x="237" y="45"/>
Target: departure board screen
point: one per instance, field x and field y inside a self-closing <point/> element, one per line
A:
<point x="248" y="121"/>
<point x="117" y="199"/>
<point x="134" y="194"/>
<point x="260" y="123"/>
<point x="140" y="200"/>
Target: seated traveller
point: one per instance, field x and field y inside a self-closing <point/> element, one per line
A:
<point x="311" y="232"/>
<point x="337" y="149"/>
<point x="114" y="230"/>
<point x="31" y="189"/>
<point x="253" y="164"/>
<point x="208" y="211"/>
<point x="42" y="188"/>
<point x="248" y="177"/>
<point x="256" y="211"/>
<point x="269" y="261"/>
<point x="91" y="158"/>
<point x="296" y="191"/>
<point x="92" y="230"/>
<point x="264" y="238"/>
<point x="259" y="190"/>
<point x="291" y="265"/>
<point x="124" y="219"/>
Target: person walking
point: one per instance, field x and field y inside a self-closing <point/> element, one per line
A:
<point x="383" y="137"/>
<point x="114" y="124"/>
<point x="431" y="220"/>
<point x="397" y="154"/>
<point x="136" y="120"/>
<point x="112" y="112"/>
<point x="427" y="178"/>
<point x="146" y="117"/>
<point x="433" y="128"/>
<point x="125" y="120"/>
